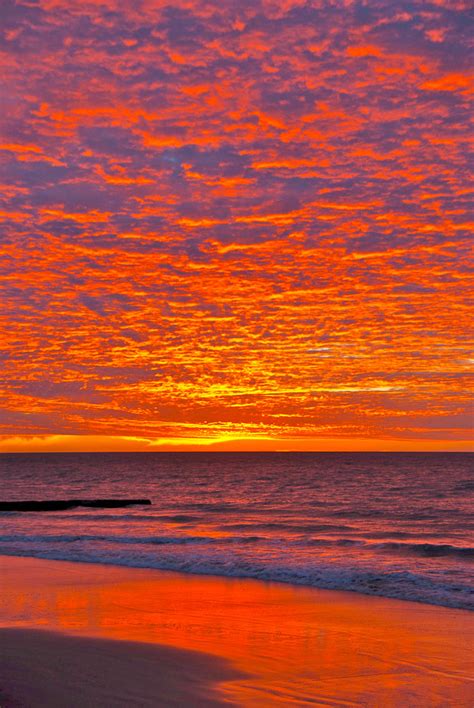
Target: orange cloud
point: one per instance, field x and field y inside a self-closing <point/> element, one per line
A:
<point x="235" y="227"/>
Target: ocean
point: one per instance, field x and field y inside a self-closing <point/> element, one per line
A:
<point x="398" y="525"/>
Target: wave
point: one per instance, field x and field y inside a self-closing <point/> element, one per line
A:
<point x="427" y="549"/>
<point x="217" y="507"/>
<point x="286" y="527"/>
<point x="87" y="516"/>
<point x="177" y="518"/>
<point x="402" y="585"/>
<point x="139" y="540"/>
<point x="466" y="485"/>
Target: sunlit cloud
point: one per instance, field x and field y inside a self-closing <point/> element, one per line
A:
<point x="232" y="224"/>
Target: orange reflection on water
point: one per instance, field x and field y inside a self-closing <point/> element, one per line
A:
<point x="296" y="645"/>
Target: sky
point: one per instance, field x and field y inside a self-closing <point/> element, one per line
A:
<point x="235" y="225"/>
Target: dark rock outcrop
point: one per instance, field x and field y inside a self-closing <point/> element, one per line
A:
<point x="61" y="505"/>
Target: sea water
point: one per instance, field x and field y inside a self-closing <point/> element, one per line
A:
<point x="393" y="524"/>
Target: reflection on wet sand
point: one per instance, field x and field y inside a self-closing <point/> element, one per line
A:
<point x="294" y="645"/>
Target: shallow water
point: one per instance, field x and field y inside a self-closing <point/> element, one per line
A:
<point x="391" y="524"/>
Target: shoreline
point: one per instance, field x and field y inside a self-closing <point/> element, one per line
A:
<point x="288" y="644"/>
<point x="274" y="580"/>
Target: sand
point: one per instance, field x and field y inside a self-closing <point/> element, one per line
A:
<point x="117" y="636"/>
<point x="41" y="668"/>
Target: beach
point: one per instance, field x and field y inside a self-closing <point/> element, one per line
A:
<point x="41" y="668"/>
<point x="88" y="634"/>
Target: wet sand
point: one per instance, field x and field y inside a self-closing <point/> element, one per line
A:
<point x="238" y="641"/>
<point x="48" y="669"/>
